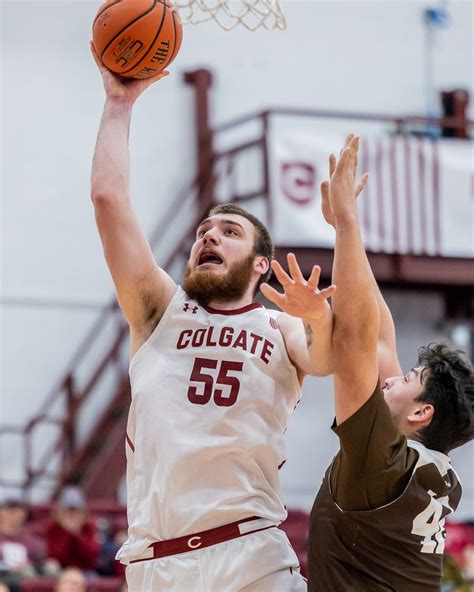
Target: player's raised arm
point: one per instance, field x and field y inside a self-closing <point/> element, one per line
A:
<point x="387" y="356"/>
<point x="354" y="303"/>
<point x="143" y="289"/>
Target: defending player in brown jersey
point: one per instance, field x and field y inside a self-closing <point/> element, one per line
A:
<point x="377" y="523"/>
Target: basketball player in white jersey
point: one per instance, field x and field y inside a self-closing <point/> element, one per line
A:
<point x="214" y="379"/>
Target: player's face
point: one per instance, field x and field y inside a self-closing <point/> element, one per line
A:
<point x="400" y="393"/>
<point x="221" y="241"/>
<point x="222" y="263"/>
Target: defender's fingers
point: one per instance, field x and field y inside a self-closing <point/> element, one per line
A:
<point x="328" y="292"/>
<point x="281" y="274"/>
<point x="294" y="268"/>
<point x="332" y="164"/>
<point x="349" y="154"/>
<point x="354" y="142"/>
<point x="324" y="187"/>
<point x="344" y="160"/>
<point x="362" y="183"/>
<point x="271" y="294"/>
<point x="314" y="277"/>
<point x="347" y="141"/>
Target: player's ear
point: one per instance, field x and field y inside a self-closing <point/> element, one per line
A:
<point x="421" y="414"/>
<point x="261" y="264"/>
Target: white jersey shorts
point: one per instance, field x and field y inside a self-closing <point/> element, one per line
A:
<point x="262" y="561"/>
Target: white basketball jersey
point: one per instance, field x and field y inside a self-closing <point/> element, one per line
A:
<point x="212" y="392"/>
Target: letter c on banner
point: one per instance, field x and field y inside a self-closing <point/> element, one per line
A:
<point x="298" y="180"/>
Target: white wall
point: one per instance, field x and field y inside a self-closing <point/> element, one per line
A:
<point x="361" y="56"/>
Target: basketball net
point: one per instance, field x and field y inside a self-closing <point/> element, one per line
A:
<point x="252" y="14"/>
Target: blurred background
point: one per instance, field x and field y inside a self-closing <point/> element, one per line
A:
<point x="248" y="117"/>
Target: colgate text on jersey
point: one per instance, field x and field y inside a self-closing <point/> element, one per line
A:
<point x="226" y="337"/>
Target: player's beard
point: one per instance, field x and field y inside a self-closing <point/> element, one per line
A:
<point x="206" y="285"/>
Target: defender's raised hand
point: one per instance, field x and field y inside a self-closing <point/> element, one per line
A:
<point x="325" y="204"/>
<point x="301" y="298"/>
<point x="127" y="89"/>
<point x="342" y="183"/>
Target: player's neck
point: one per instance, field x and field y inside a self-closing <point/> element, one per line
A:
<point x="232" y="304"/>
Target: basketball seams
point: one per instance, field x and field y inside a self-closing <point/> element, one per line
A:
<point x="152" y="44"/>
<point x="127" y="26"/>
<point x="175" y="37"/>
<point x="170" y="59"/>
<point x="172" y="53"/>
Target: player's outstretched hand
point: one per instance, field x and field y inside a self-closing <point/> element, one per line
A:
<point x="325" y="205"/>
<point x="127" y="89"/>
<point x="343" y="183"/>
<point x="301" y="298"/>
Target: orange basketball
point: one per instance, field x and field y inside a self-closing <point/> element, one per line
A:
<point x="137" y="38"/>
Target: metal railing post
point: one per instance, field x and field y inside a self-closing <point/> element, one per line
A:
<point x="69" y="425"/>
<point x="27" y="462"/>
<point x="266" y="167"/>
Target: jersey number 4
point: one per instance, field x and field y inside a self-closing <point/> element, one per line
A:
<point x="224" y="397"/>
<point x="429" y="524"/>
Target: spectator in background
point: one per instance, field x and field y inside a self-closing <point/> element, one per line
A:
<point x="4" y="587"/>
<point x="71" y="580"/>
<point x="110" y="543"/>
<point x="71" y="536"/>
<point x="21" y="553"/>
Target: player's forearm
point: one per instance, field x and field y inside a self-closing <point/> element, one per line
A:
<point x="354" y="303"/>
<point x="387" y="356"/>
<point x="387" y="326"/>
<point x="319" y="344"/>
<point x="111" y="163"/>
<point x="388" y="362"/>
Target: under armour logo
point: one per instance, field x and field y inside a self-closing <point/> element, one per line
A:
<point x="186" y="307"/>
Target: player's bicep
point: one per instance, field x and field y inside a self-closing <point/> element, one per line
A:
<point x="143" y="289"/>
<point x="297" y="342"/>
<point x="293" y="335"/>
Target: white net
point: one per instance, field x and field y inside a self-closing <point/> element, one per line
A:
<point x="252" y="14"/>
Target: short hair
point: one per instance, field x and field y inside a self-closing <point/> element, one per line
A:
<point x="448" y="382"/>
<point x="263" y="241"/>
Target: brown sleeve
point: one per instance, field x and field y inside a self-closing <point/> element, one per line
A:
<point x="374" y="464"/>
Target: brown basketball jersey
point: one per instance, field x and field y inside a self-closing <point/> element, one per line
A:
<point x="397" y="547"/>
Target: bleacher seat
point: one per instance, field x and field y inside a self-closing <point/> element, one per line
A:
<point x="38" y="585"/>
<point x="104" y="585"/>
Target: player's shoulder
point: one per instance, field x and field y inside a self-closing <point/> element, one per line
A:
<point x="427" y="456"/>
<point x="284" y="321"/>
<point x="434" y="472"/>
